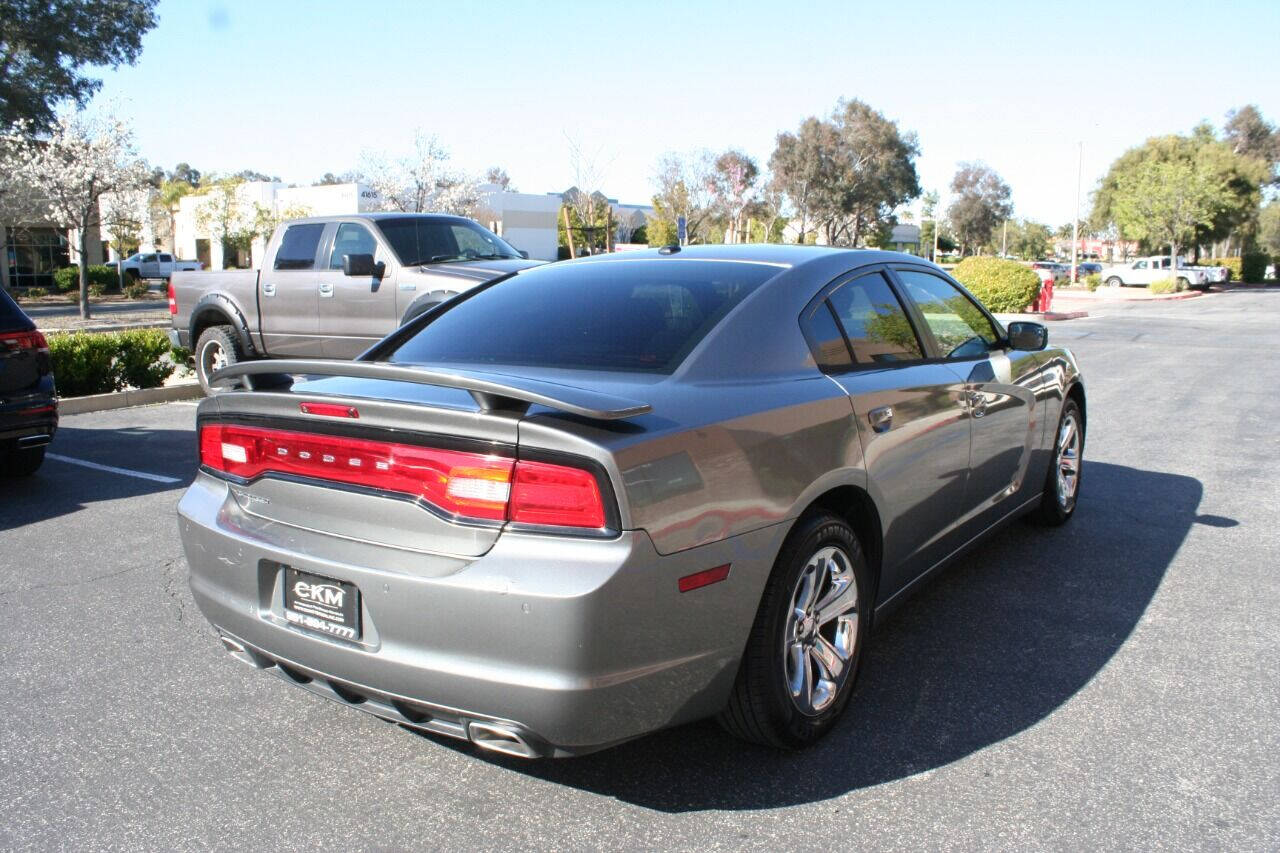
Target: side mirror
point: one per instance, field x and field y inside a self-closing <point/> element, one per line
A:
<point x="362" y="265"/>
<point x="1031" y="337"/>
<point x="524" y="254"/>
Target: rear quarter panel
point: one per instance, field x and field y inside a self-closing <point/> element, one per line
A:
<point x="233" y="293"/>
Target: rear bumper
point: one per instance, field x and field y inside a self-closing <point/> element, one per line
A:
<point x="575" y="644"/>
<point x="31" y="419"/>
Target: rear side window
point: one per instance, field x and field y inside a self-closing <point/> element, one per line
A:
<point x="641" y="315"/>
<point x="874" y="322"/>
<point x="824" y="337"/>
<point x="298" y="246"/>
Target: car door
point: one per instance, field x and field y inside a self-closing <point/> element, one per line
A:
<point x="164" y="265"/>
<point x="148" y="266"/>
<point x="909" y="412"/>
<point x="1142" y="273"/>
<point x="1000" y="387"/>
<point x="355" y="311"/>
<point x="290" y="293"/>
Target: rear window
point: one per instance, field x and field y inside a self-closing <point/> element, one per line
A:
<point x="641" y="315"/>
<point x="298" y="246"/>
<point x="11" y="316"/>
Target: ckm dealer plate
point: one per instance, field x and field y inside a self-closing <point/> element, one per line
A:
<point x="322" y="604"/>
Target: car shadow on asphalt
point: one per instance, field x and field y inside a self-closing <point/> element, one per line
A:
<point x="61" y="488"/>
<point x="995" y="644"/>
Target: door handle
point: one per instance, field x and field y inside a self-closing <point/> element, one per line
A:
<point x="326" y="289"/>
<point x="881" y="419"/>
<point x="268" y="289"/>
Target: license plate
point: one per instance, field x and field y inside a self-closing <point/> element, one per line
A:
<point x="322" y="604"/>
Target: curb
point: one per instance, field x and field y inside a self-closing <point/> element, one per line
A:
<point x="1042" y="316"/>
<point x="1064" y="315"/>
<point x="1163" y="297"/>
<point x="126" y="399"/>
<point x="120" y="327"/>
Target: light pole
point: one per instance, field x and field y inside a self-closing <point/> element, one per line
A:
<point x="1075" y="217"/>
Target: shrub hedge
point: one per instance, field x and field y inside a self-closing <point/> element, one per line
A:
<point x="137" y="290"/>
<point x="98" y="363"/>
<point x="1001" y="285"/>
<point x="68" y="278"/>
<point x="1093" y="281"/>
<point x="1253" y="267"/>
<point x="1165" y="285"/>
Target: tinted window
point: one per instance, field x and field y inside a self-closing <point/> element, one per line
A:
<point x="148" y="259"/>
<point x="824" y="337"/>
<point x="958" y="325"/>
<point x="351" y="239"/>
<point x="426" y="240"/>
<point x="298" y="246"/>
<point x="874" y="322"/>
<point x="642" y="315"/>
<point x="11" y="316"/>
<point x="166" y="258"/>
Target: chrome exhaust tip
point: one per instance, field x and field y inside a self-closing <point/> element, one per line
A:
<point x="34" y="441"/>
<point x="499" y="738"/>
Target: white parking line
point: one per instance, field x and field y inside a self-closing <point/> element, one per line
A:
<point x="110" y="469"/>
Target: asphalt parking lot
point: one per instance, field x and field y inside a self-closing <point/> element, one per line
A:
<point x="1112" y="684"/>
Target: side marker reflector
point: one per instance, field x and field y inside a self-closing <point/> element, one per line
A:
<point x="706" y="577"/>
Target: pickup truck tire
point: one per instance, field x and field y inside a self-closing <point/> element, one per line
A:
<point x="1115" y="281"/>
<point x="217" y="348"/>
<point x="1183" y="283"/>
<point x="133" y="275"/>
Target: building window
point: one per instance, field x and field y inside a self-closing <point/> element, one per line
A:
<point x="33" y="253"/>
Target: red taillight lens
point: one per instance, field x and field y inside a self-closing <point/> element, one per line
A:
<point x="471" y="485"/>
<point x="34" y="341"/>
<point x="556" y="495"/>
<point x="173" y="298"/>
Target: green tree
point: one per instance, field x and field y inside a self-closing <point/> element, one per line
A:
<point x="1164" y="203"/>
<point x="1250" y="135"/>
<point x="981" y="203"/>
<point x="683" y="189"/>
<point x="1269" y="228"/>
<point x="847" y="174"/>
<point x="1237" y="179"/>
<point x="44" y="46"/>
<point x="733" y="177"/>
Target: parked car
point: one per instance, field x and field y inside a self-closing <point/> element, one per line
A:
<point x="28" y="401"/>
<point x="1088" y="268"/>
<point x="333" y="286"/>
<point x="610" y="495"/>
<point x="1060" y="272"/>
<point x="1143" y="271"/>
<point x="154" y="265"/>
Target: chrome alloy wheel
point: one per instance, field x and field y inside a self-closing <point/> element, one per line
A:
<point x="821" y="632"/>
<point x="1068" y="461"/>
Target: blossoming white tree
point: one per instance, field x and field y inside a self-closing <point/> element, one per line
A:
<point x="421" y="181"/>
<point x="83" y="158"/>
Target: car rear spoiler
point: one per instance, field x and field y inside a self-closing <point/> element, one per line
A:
<point x="491" y="391"/>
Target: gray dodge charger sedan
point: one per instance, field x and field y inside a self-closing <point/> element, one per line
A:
<point x="596" y="498"/>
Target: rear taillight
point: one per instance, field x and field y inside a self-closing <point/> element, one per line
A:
<point x="460" y="483"/>
<point x="34" y="341"/>
<point x="173" y="298"/>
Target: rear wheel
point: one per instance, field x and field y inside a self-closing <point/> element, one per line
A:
<point x="217" y="348"/>
<point x="802" y="658"/>
<point x="1183" y="284"/>
<point x="1062" y="483"/>
<point x="20" y="463"/>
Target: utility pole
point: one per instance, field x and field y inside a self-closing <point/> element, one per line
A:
<point x="1075" y="217"/>
<point x="1004" y="240"/>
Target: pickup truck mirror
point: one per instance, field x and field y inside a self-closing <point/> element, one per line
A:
<point x="524" y="254"/>
<point x="1031" y="337"/>
<point x="362" y="265"/>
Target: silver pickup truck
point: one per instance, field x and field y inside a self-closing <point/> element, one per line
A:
<point x="332" y="286"/>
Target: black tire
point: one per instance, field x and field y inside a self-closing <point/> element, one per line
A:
<point x="1054" y="510"/>
<point x="20" y="463"/>
<point x="1115" y="281"/>
<point x="761" y="707"/>
<point x="217" y="347"/>
<point x="1183" y="283"/>
<point x="133" y="276"/>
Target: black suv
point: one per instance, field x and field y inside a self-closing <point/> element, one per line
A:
<point x="28" y="405"/>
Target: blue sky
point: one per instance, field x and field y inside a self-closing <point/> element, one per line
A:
<point x="300" y="88"/>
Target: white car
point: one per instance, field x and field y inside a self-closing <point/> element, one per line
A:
<point x="1143" y="271"/>
<point x="151" y="265"/>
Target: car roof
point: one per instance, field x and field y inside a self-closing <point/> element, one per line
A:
<point x="380" y="217"/>
<point x="775" y="254"/>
